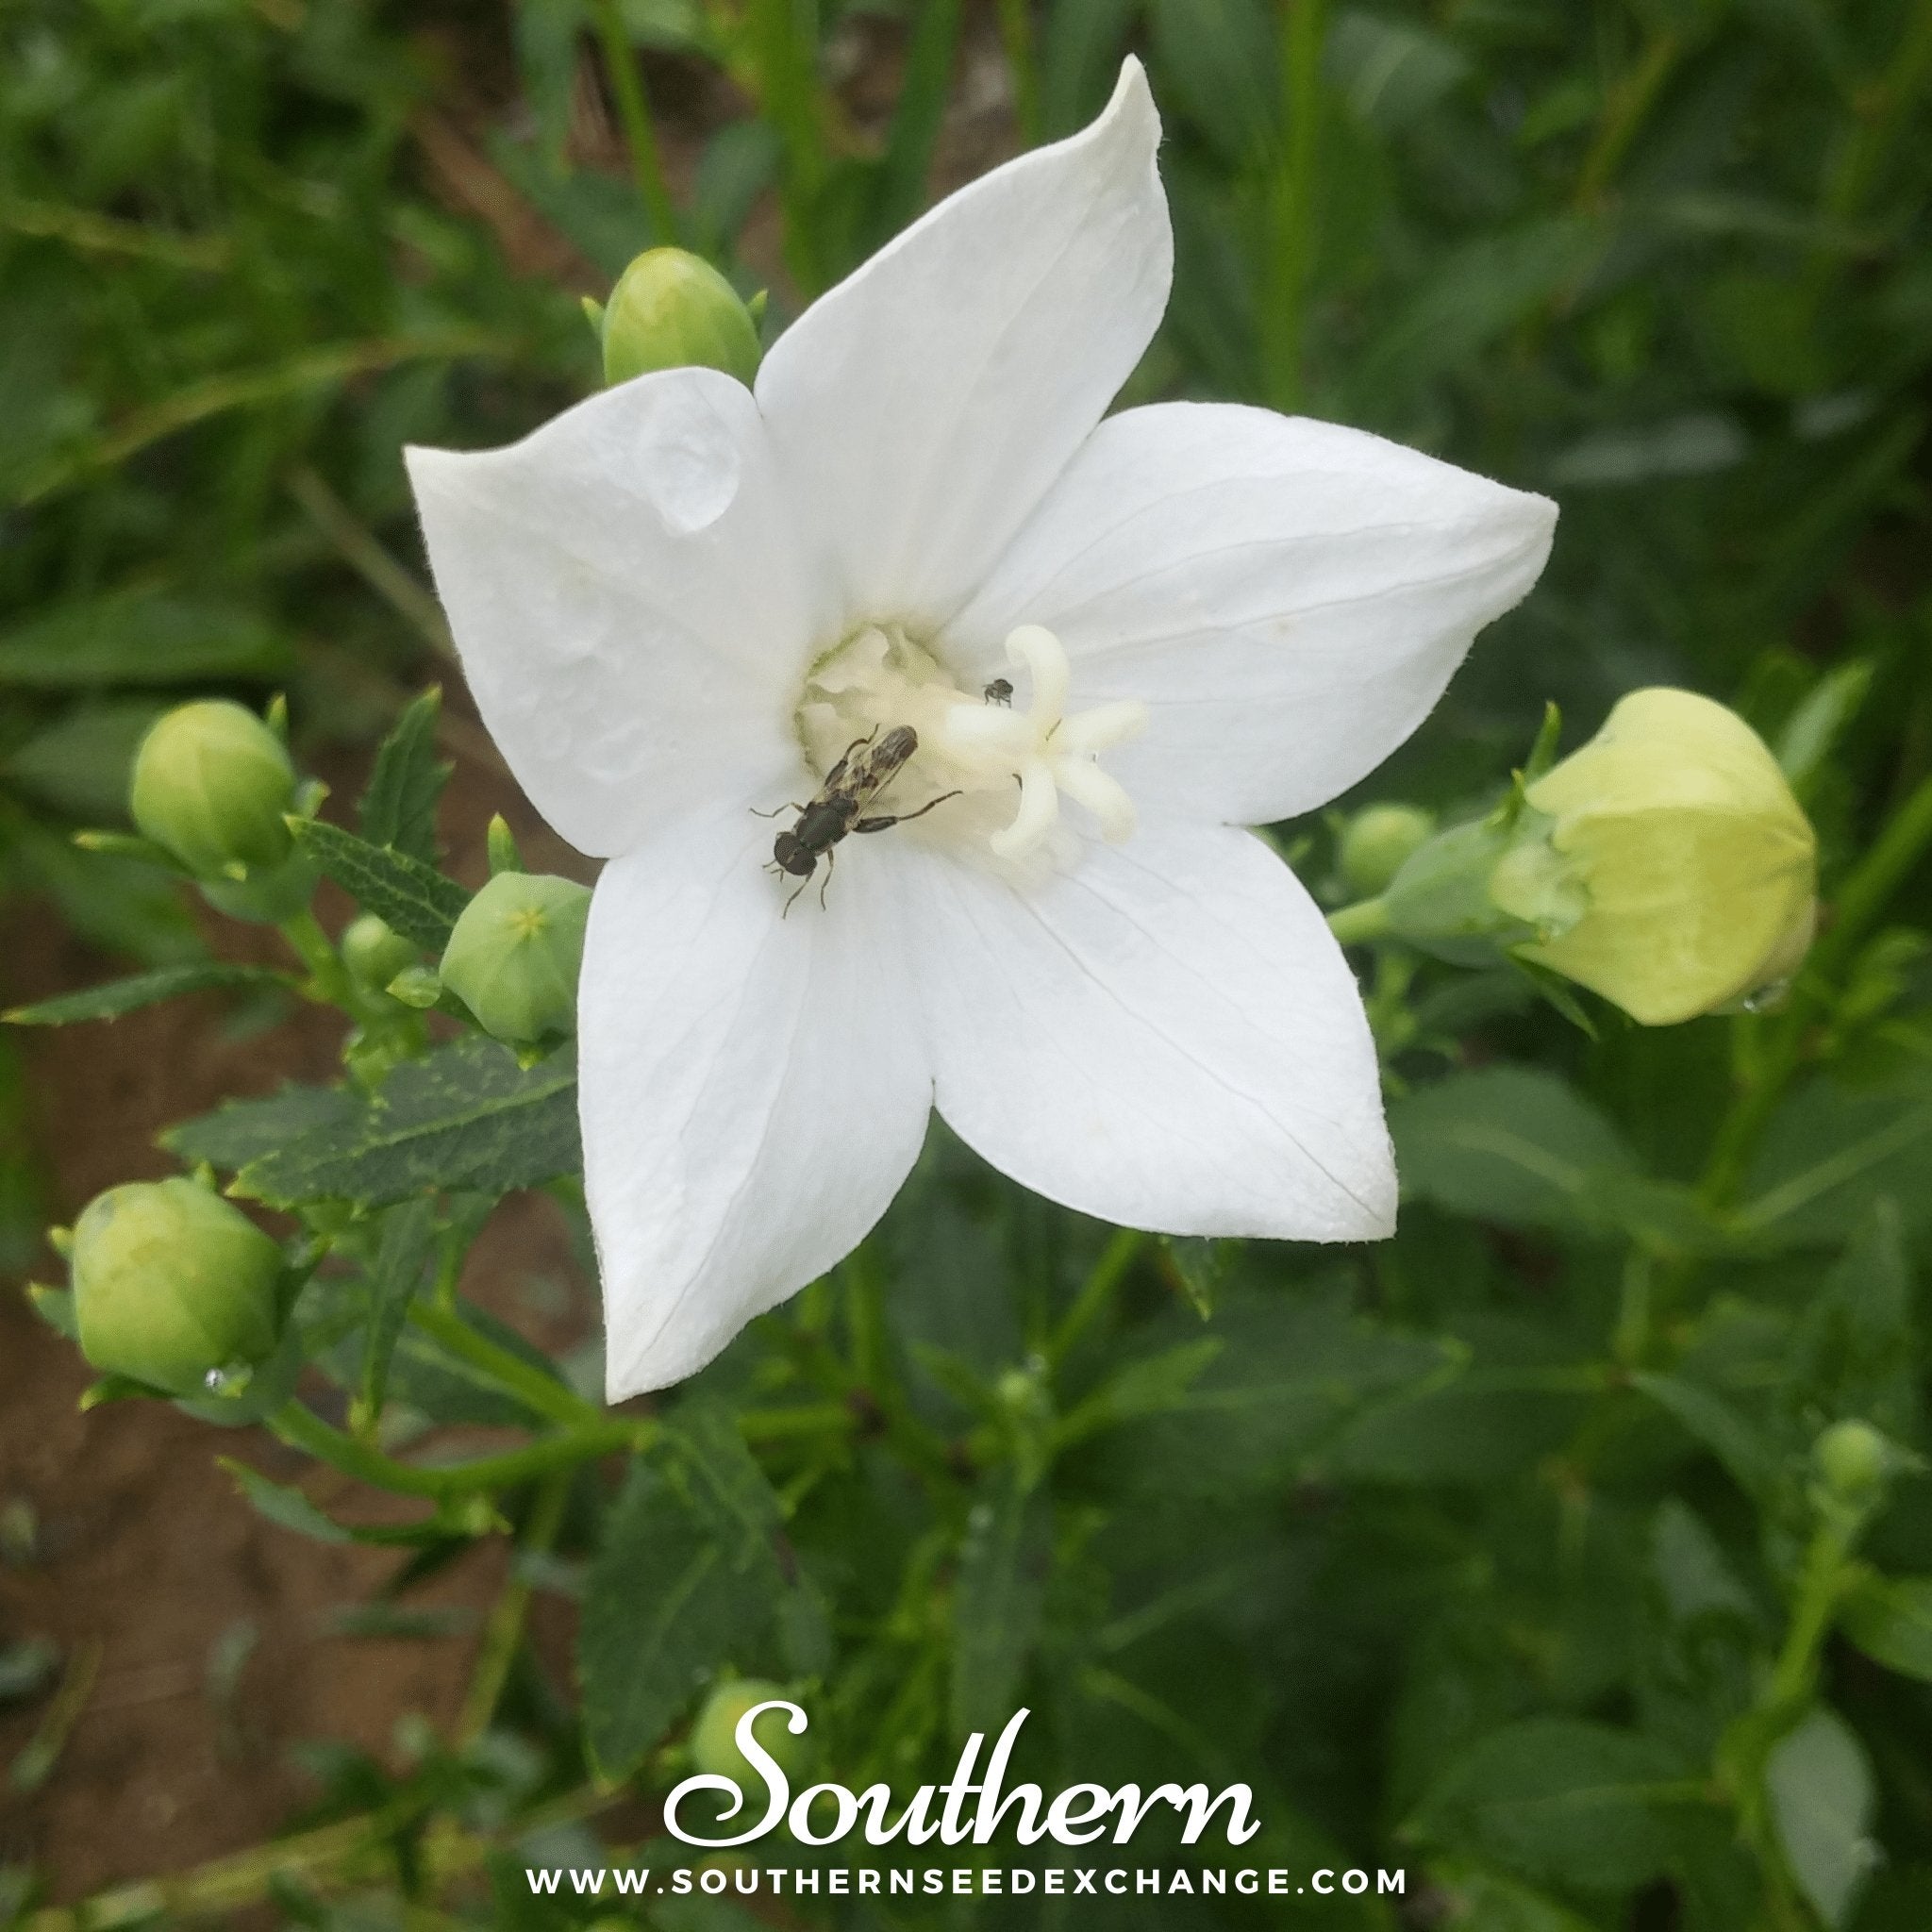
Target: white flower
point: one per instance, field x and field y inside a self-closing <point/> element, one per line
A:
<point x="682" y="601"/>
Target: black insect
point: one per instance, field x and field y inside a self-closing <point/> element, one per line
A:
<point x="835" y="809"/>
<point x="1000" y="692"/>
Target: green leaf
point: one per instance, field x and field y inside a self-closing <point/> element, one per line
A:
<point x="1829" y="1153"/>
<point x="283" y="1505"/>
<point x="1509" y="1144"/>
<point x="134" y="637"/>
<point x="413" y="897"/>
<point x="1289" y="1380"/>
<point x="466" y="1118"/>
<point x="997" y="1600"/>
<point x="1696" y="1576"/>
<point x="409" y="1237"/>
<point x="1201" y="1267"/>
<point x="1823" y="1802"/>
<point x="1558" y="1799"/>
<point x="1890" y="1621"/>
<point x="398" y="808"/>
<point x="244" y="1130"/>
<point x="1483" y="1901"/>
<point x="1854" y="1347"/>
<point x="118" y="996"/>
<point x="685" y="1582"/>
<point x="80" y="764"/>
<point x="1751" y="1459"/>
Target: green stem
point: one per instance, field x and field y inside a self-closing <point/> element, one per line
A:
<point x="1625" y="108"/>
<point x="1821" y="1584"/>
<point x="783" y="39"/>
<point x="634" y="110"/>
<point x="504" y="1632"/>
<point x="1367" y="918"/>
<point x="1096" y="1290"/>
<point x="1016" y="38"/>
<point x="301" y="1428"/>
<point x="541" y="1393"/>
<point x="1292" y="202"/>
<point x="1862" y="899"/>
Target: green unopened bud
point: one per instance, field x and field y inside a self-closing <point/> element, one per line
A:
<point x="1854" y="1462"/>
<point x="1699" y="868"/>
<point x="173" y="1286"/>
<point x="211" y="784"/>
<point x="374" y="952"/>
<point x="1375" y="844"/>
<point x="714" y="1736"/>
<point x="672" y="310"/>
<point x="514" y="956"/>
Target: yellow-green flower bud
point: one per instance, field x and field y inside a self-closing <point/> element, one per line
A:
<point x="374" y="952"/>
<point x="172" y="1284"/>
<point x="1854" y="1462"/>
<point x="1699" y="869"/>
<point x="714" y="1736"/>
<point x="1376" y="842"/>
<point x="514" y="956"/>
<point x="672" y="310"/>
<point x="211" y="783"/>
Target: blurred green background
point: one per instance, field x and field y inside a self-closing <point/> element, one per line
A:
<point x="1670" y="262"/>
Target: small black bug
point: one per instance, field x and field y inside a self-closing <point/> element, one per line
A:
<point x="835" y="809"/>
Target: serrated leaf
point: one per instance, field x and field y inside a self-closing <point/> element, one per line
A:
<point x="117" y="996"/>
<point x="413" y="897"/>
<point x="998" y="1598"/>
<point x="1822" y="1801"/>
<point x="408" y="1236"/>
<point x="284" y="1504"/>
<point x="683" y="1584"/>
<point x="244" y="1130"/>
<point x="1558" y="1799"/>
<point x="398" y="808"/>
<point x="468" y="1117"/>
<point x="1889" y="1618"/>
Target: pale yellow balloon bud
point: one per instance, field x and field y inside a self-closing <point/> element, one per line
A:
<point x="1698" y="868"/>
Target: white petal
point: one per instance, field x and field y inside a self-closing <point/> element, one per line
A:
<point x="628" y="594"/>
<point x="1168" y="1038"/>
<point x="751" y="1088"/>
<point x="1289" y="597"/>
<point x="922" y="405"/>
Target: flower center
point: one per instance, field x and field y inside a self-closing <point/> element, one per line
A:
<point x="1010" y="755"/>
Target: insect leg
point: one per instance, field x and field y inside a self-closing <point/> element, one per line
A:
<point x="792" y="804"/>
<point x="831" y="860"/>
<point x="904" y="818"/>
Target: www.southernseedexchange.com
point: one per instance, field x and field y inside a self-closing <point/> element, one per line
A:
<point x="967" y="1881"/>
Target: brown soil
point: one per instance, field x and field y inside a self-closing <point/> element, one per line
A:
<point x="144" y="1554"/>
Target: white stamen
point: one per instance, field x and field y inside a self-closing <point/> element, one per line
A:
<point x="975" y="748"/>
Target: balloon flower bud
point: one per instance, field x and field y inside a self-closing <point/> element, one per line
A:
<point x="1376" y="842"/>
<point x="1664" y="865"/>
<point x="374" y="952"/>
<point x="1854" y="1462"/>
<point x="173" y="1285"/>
<point x="714" y="1747"/>
<point x="1698" y="868"/>
<point x="672" y="310"/>
<point x="211" y="784"/>
<point x="514" y="956"/>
